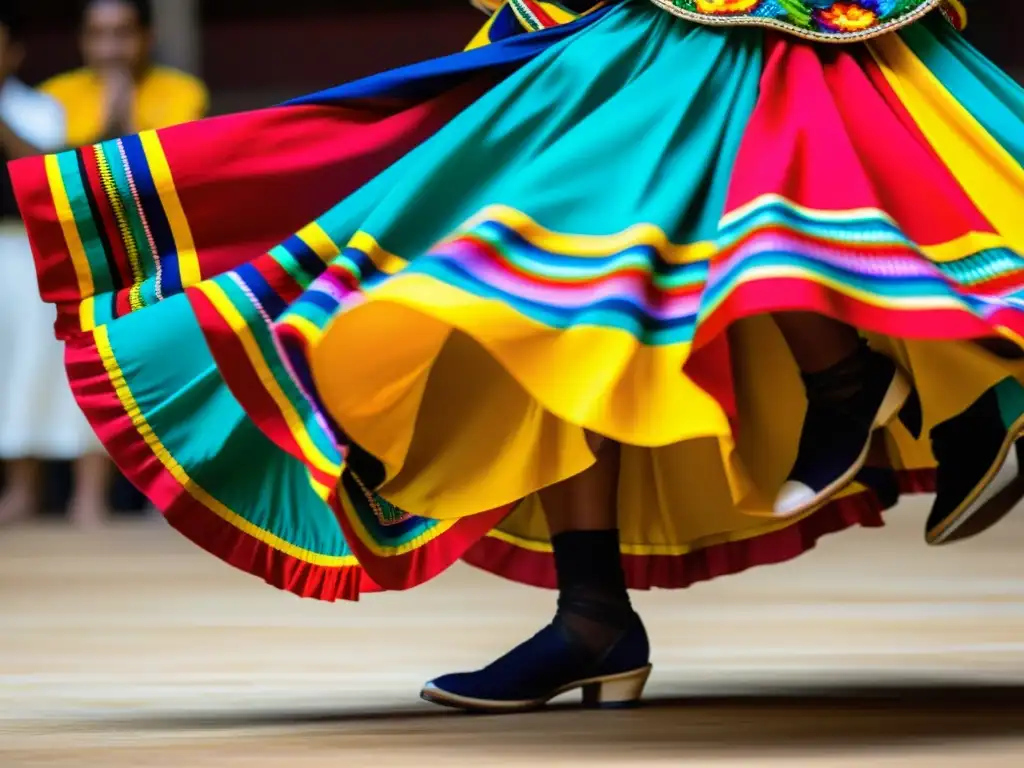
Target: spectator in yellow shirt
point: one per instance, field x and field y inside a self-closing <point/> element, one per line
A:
<point x="120" y="90"/>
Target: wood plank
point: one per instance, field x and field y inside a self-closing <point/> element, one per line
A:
<point x="130" y="647"/>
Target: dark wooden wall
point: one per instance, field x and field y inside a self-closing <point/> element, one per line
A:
<point x="258" y="59"/>
<point x="258" y="52"/>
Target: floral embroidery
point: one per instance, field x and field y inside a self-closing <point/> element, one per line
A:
<point x="848" y="17"/>
<point x="817" y="19"/>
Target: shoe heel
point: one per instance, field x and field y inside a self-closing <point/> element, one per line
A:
<point x="616" y="691"/>
<point x="883" y="483"/>
<point x="900" y="391"/>
<point x="911" y="415"/>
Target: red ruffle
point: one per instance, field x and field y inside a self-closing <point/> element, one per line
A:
<point x="537" y="569"/>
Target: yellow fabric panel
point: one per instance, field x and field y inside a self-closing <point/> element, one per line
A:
<point x="470" y="414"/>
<point x="483" y="37"/>
<point x="988" y="173"/>
<point x="675" y="499"/>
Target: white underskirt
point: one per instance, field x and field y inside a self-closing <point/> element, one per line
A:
<point x="38" y="415"/>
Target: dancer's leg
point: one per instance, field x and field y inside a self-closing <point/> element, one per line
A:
<point x="851" y="391"/>
<point x="587" y="501"/>
<point x="582" y="516"/>
<point x="596" y="642"/>
<point x="847" y="386"/>
<point x="1001" y="348"/>
<point x="816" y="342"/>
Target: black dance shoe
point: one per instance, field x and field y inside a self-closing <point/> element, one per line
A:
<point x="977" y="483"/>
<point x="836" y="436"/>
<point x="551" y="663"/>
<point x="883" y="483"/>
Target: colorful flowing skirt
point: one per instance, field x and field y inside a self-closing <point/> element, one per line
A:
<point x="343" y="342"/>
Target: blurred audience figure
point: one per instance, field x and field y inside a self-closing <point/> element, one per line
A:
<point x="38" y="415"/>
<point x="120" y="90"/>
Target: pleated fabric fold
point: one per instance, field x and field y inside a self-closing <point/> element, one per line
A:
<point x="344" y="342"/>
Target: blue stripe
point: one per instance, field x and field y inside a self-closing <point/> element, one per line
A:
<point x="429" y="78"/>
<point x="299" y="368"/>
<point x="268" y="351"/>
<point x="584" y="268"/>
<point x="880" y="285"/>
<point x="267" y="296"/>
<point x="156" y="218"/>
<point x="320" y="300"/>
<point x="367" y="270"/>
<point x="611" y="313"/>
<point x="872" y="228"/>
<point x="505" y="25"/>
<point x="387" y="535"/>
<point x="306" y="257"/>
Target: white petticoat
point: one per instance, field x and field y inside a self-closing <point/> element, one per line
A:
<point x="38" y="414"/>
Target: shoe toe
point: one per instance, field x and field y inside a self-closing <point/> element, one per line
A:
<point x="794" y="497"/>
<point x="454" y="683"/>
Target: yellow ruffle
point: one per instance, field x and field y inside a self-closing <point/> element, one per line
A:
<point x="472" y="406"/>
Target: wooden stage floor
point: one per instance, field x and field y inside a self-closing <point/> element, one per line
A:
<point x="129" y="648"/>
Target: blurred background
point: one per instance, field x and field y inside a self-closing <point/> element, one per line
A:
<point x="258" y="52"/>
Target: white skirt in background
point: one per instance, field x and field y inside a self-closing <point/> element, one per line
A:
<point x="38" y="415"/>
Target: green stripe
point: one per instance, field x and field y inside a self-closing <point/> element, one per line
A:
<point x="398" y="536"/>
<point x="1010" y="396"/>
<point x="525" y="15"/>
<point x="584" y="270"/>
<point x="310" y="312"/>
<point x="289" y="264"/>
<point x="137" y="229"/>
<point x="86" y="225"/>
<point x="817" y="272"/>
<point x="229" y="457"/>
<point x="268" y="351"/>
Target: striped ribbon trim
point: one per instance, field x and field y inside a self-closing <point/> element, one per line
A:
<point x="531" y="15"/>
<point x="535" y="15"/>
<point x="955" y="13"/>
<point x="116" y="202"/>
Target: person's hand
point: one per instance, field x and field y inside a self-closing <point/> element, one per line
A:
<point x="119" y="92"/>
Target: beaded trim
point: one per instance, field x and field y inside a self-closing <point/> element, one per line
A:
<point x="526" y="15"/>
<point x="673" y="7"/>
<point x="116" y="201"/>
<point x="388" y="514"/>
